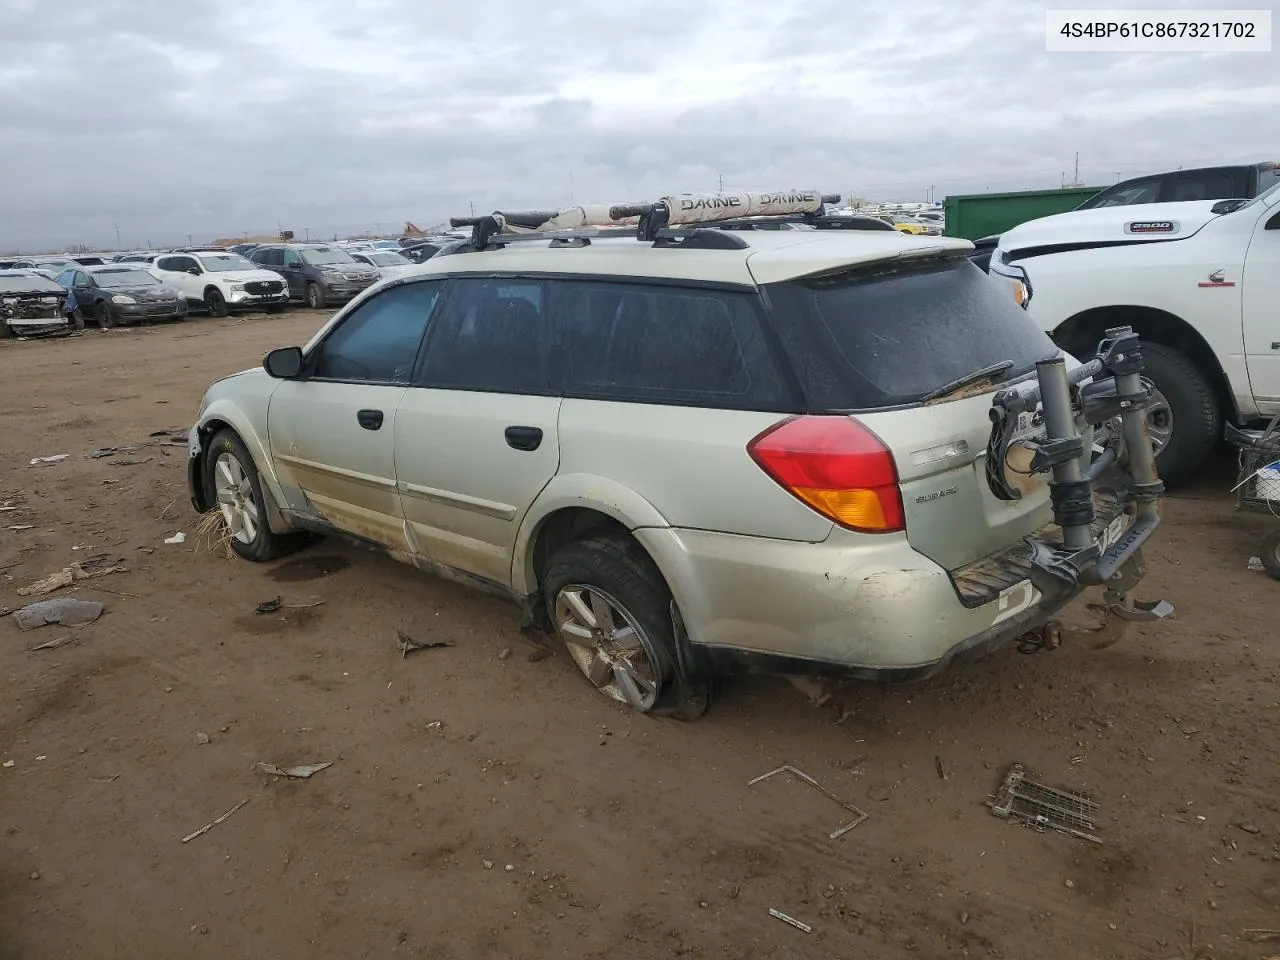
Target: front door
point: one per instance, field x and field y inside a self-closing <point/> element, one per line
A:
<point x="476" y="437"/>
<point x="293" y="273"/>
<point x="1260" y="301"/>
<point x="331" y="433"/>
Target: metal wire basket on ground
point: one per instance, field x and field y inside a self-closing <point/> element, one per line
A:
<point x="1258" y="488"/>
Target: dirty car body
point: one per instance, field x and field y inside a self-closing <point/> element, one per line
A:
<point x="786" y="435"/>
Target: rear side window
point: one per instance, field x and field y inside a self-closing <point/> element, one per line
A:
<point x="658" y="344"/>
<point x="492" y="335"/>
<point x="378" y="342"/>
<point x="1207" y="186"/>
<point x="889" y="335"/>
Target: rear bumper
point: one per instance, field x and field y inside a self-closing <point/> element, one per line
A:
<point x="853" y="604"/>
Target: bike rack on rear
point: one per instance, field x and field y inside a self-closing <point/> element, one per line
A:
<point x="1091" y="431"/>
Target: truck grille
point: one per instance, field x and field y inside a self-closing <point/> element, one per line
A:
<point x="263" y="288"/>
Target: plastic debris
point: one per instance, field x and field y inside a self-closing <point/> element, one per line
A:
<point x="55" y="643"/>
<point x="202" y="738"/>
<point x="1020" y="799"/>
<point x="301" y="771"/>
<point x="110" y="451"/>
<point x="7" y="763"/>
<point x="213" y="823"/>
<point x="1255" y="564"/>
<point x="269" y="606"/>
<point x="22" y="526"/>
<point x="791" y="920"/>
<point x="859" y="814"/>
<point x="131" y="463"/>
<point x="178" y="537"/>
<point x="56" y="458"/>
<point x="87" y="569"/>
<point x="68" y="611"/>
<point x="409" y="645"/>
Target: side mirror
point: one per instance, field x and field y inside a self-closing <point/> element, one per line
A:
<point x="1227" y="206"/>
<point x="293" y="266"/>
<point x="194" y="271"/>
<point x="283" y="363"/>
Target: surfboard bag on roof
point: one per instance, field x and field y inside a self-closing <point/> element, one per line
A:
<point x="690" y="208"/>
<point x="571" y="218"/>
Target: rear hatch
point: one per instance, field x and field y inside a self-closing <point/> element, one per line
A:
<point x="894" y="345"/>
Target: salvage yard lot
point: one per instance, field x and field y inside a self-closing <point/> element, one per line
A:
<point x="484" y="801"/>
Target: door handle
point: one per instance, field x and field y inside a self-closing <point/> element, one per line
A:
<point x="369" y="419"/>
<point x="524" y="438"/>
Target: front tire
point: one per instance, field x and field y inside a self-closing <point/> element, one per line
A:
<point x="102" y="313"/>
<point x="215" y="303"/>
<point x="233" y="486"/>
<point x="1186" y="421"/>
<point x="315" y="297"/>
<point x="611" y="608"/>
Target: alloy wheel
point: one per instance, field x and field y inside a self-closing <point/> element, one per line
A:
<point x="235" y="498"/>
<point x="607" y="644"/>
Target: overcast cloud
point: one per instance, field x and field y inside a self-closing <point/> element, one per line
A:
<point x="231" y="116"/>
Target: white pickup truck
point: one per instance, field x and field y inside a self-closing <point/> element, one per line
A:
<point x="1200" y="283"/>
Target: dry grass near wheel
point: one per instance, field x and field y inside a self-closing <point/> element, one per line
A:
<point x="211" y="534"/>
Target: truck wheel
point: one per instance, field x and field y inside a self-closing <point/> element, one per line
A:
<point x="215" y="303"/>
<point x="1185" y="421"/>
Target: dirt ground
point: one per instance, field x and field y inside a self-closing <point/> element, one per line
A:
<point x="484" y="802"/>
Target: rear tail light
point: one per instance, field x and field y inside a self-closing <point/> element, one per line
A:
<point x="837" y="467"/>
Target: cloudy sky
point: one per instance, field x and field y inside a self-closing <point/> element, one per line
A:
<point x="223" y="117"/>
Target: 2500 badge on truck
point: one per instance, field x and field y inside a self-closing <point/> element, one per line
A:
<point x="1198" y="281"/>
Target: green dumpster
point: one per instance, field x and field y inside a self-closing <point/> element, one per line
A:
<point x="983" y="214"/>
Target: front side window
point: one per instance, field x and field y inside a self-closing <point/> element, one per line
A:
<point x="378" y="342"/>
<point x="491" y="335"/>
<point x="290" y="258"/>
<point x="658" y="344"/>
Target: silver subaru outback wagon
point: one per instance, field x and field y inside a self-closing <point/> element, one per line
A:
<point x="685" y="453"/>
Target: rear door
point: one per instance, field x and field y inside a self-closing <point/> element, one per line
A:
<point x="174" y="271"/>
<point x="877" y="341"/>
<point x="476" y="437"/>
<point x="331" y="433"/>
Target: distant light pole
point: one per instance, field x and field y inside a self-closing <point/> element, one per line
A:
<point x="307" y="231"/>
<point x="117" y="236"/>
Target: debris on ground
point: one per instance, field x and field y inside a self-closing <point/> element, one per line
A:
<point x="177" y="538"/>
<point x="277" y="603"/>
<point x="213" y="823"/>
<point x="538" y="653"/>
<point x="409" y="645"/>
<point x="173" y="437"/>
<point x="56" y="458"/>
<point x="87" y="569"/>
<point x="202" y="739"/>
<point x="111" y="451"/>
<point x="8" y="764"/>
<point x="1022" y="800"/>
<point x="1259" y="936"/>
<point x="22" y="526"/>
<point x="301" y="771"/>
<point x="937" y="765"/>
<point x="859" y="815"/>
<point x="131" y="463"/>
<point x="791" y="920"/>
<point x="504" y="653"/>
<point x="1255" y="565"/>
<point x="55" y="643"/>
<point x="67" y="611"/>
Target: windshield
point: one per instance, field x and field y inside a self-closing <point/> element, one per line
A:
<point x="892" y="333"/>
<point x="125" y="278"/>
<point x="28" y="283"/>
<point x="388" y="259"/>
<point x="321" y="255"/>
<point x="1267" y="197"/>
<point x="222" y="262"/>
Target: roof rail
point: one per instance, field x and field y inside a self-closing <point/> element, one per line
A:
<point x="653" y="222"/>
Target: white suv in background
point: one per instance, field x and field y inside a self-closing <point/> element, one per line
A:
<point x="220" y="281"/>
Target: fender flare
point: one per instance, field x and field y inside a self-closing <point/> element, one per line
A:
<point x="586" y="491"/>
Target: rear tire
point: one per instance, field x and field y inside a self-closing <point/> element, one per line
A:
<point x="626" y="652"/>
<point x="6" y="331"/>
<point x="232" y="485"/>
<point x="1196" y="417"/>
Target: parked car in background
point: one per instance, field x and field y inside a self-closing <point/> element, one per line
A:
<point x="1199" y="281"/>
<point x="49" y="266"/>
<point x="244" y="248"/>
<point x="423" y="250"/>
<point x="141" y="258"/>
<point x="388" y="263"/>
<point x="1242" y="182"/>
<point x="221" y="281"/>
<point x="117" y="293"/>
<point x="908" y="225"/>
<point x="30" y="304"/>
<point x="319" y="273"/>
<point x="386" y="245"/>
<point x="87" y="260"/>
